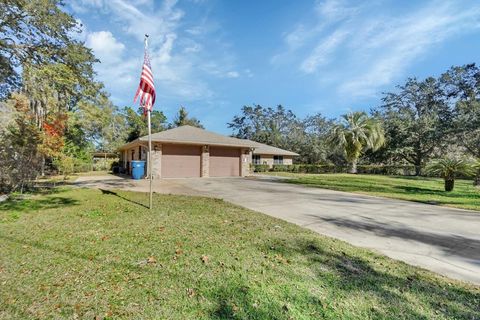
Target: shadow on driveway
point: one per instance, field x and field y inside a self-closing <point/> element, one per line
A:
<point x="453" y="245"/>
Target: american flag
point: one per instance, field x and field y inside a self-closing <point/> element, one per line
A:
<point x="146" y="88"/>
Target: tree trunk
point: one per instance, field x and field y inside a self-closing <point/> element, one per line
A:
<point x="449" y="184"/>
<point x="418" y="169"/>
<point x="42" y="168"/>
<point x="476" y="180"/>
<point x="353" y="168"/>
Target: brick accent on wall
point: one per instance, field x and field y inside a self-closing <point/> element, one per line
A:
<point x="246" y="160"/>
<point x="205" y="162"/>
<point x="157" y="160"/>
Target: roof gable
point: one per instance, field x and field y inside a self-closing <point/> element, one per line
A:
<point x="261" y="148"/>
<point x="193" y="135"/>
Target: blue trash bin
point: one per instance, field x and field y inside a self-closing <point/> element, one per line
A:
<point x="138" y="169"/>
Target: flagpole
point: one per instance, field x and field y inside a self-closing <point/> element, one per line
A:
<point x="150" y="164"/>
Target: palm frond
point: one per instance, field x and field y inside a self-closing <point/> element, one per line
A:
<point x="356" y="133"/>
<point x="450" y="168"/>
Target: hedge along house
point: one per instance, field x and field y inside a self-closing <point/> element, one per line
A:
<point x="188" y="151"/>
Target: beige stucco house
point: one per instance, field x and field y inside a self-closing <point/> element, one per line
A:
<point x="265" y="154"/>
<point x="192" y="152"/>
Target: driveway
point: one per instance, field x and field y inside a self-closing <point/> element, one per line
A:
<point x="441" y="239"/>
<point x="444" y="240"/>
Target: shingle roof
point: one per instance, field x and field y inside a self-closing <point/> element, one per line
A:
<point x="261" y="148"/>
<point x="194" y="135"/>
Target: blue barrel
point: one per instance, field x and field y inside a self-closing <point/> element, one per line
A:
<point x="138" y="169"/>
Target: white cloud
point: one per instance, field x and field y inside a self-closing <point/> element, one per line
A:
<point x="196" y="31"/>
<point x="105" y="46"/>
<point x="248" y="73"/>
<point x="195" y="47"/>
<point x="402" y="41"/>
<point x="335" y="10"/>
<point x="360" y="49"/>
<point x="327" y="13"/>
<point x="179" y="62"/>
<point x="322" y="53"/>
<point x="232" y="74"/>
<point x="138" y="22"/>
<point x="164" y="54"/>
<point x="115" y="69"/>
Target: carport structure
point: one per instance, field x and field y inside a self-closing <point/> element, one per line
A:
<point x="188" y="151"/>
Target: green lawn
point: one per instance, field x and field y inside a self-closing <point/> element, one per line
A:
<point x="421" y="189"/>
<point x="78" y="253"/>
<point x="61" y="179"/>
<point x="93" y="173"/>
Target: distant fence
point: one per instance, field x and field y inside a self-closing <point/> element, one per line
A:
<point x="403" y="170"/>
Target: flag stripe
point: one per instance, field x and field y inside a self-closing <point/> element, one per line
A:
<point x="146" y="87"/>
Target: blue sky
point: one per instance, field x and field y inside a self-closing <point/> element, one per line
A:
<point x="330" y="56"/>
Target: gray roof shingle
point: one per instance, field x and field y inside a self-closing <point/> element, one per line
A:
<point x="194" y="135"/>
<point x="261" y="148"/>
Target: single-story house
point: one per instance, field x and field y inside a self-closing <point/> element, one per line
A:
<point x="265" y="154"/>
<point x="188" y="151"/>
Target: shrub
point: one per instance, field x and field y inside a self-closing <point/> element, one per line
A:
<point x="330" y="168"/>
<point x="281" y="168"/>
<point x="260" y="167"/>
<point x="20" y="158"/>
<point x="65" y="165"/>
<point x="391" y="170"/>
<point x="449" y="169"/>
<point x="82" y="166"/>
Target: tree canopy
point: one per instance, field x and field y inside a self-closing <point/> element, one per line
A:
<point x="32" y="32"/>
<point x="416" y="119"/>
<point x="136" y="122"/>
<point x="281" y="128"/>
<point x="182" y="119"/>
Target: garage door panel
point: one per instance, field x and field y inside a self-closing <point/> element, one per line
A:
<point x="224" y="162"/>
<point x="180" y="161"/>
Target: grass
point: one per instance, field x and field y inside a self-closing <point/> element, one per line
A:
<point x="420" y="189"/>
<point x="56" y="179"/>
<point x="92" y="254"/>
<point x="94" y="173"/>
<point x="61" y="179"/>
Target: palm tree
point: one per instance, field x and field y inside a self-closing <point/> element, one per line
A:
<point x="449" y="169"/>
<point x="354" y="134"/>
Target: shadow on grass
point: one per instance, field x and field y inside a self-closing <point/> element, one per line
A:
<point x="416" y="178"/>
<point x="26" y="203"/>
<point x="343" y="286"/>
<point x="109" y="192"/>
<point x="410" y="189"/>
<point x="390" y="291"/>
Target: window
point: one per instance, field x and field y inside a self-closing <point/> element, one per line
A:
<point x="256" y="159"/>
<point x="277" y="159"/>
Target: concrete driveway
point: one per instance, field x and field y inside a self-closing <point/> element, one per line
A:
<point x="441" y="239"/>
